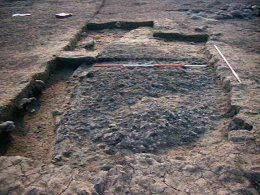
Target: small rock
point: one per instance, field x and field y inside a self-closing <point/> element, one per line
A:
<point x="113" y="138"/>
<point x="247" y="13"/>
<point x="57" y="158"/>
<point x="26" y="101"/>
<point x="191" y="168"/>
<point x="99" y="187"/>
<point x="101" y="145"/>
<point x="195" y="17"/>
<point x="256" y="10"/>
<point x="223" y="16"/>
<point x="32" y="111"/>
<point x="111" y="125"/>
<point x="217" y="34"/>
<point x="7" y="126"/>
<point x="106" y="167"/>
<point x="89" y="44"/>
<point x="118" y="24"/>
<point x="90" y="74"/>
<point x="39" y="85"/>
<point x="67" y="154"/>
<point x="56" y="113"/>
<point x="110" y="151"/>
<point x="24" y="81"/>
<point x="202" y="14"/>
<point x="201" y="29"/>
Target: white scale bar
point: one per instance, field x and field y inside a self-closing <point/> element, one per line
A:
<point x="232" y="70"/>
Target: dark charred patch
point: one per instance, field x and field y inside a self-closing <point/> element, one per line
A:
<point x="119" y="25"/>
<point x="232" y="111"/>
<point x="239" y="123"/>
<point x="73" y="62"/>
<point x="174" y="36"/>
<point x="5" y="140"/>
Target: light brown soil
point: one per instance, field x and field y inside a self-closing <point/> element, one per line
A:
<point x="28" y="43"/>
<point x="36" y="135"/>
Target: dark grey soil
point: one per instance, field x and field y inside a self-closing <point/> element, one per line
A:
<point x="144" y="109"/>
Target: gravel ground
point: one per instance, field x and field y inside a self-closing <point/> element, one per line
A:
<point x="144" y="110"/>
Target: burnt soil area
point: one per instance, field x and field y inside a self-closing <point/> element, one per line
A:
<point x="144" y="109"/>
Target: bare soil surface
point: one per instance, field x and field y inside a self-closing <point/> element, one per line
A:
<point x="28" y="43"/>
<point x="103" y="128"/>
<point x="36" y="135"/>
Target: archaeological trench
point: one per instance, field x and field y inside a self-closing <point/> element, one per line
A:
<point x="141" y="104"/>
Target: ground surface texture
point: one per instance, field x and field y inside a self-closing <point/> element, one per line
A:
<point x="88" y="122"/>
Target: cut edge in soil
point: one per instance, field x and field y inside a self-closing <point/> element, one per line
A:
<point x="119" y="25"/>
<point x="24" y="116"/>
<point x="175" y="36"/>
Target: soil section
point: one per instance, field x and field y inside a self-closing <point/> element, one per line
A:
<point x="36" y="132"/>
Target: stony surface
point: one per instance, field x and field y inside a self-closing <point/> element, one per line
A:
<point x="143" y="110"/>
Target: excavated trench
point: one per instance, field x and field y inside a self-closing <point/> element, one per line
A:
<point x="36" y="133"/>
<point x="122" y="109"/>
<point x="126" y="129"/>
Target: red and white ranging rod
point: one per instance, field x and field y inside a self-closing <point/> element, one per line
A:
<point x="150" y="65"/>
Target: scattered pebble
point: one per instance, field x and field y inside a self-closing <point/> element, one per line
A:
<point x="39" y="85"/>
<point x="90" y="74"/>
<point x="58" y="158"/>
<point x="56" y="113"/>
<point x="26" y="101"/>
<point x="106" y="167"/>
<point x="201" y="29"/>
<point x="7" y="126"/>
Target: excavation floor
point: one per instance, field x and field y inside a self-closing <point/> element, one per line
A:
<point x="137" y="131"/>
<point x="142" y="109"/>
<point x="133" y="130"/>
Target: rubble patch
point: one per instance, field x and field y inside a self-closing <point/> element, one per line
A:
<point x="143" y="109"/>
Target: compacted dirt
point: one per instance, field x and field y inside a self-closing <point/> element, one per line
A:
<point x="120" y="114"/>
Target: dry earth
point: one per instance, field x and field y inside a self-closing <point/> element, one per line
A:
<point x="76" y="118"/>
